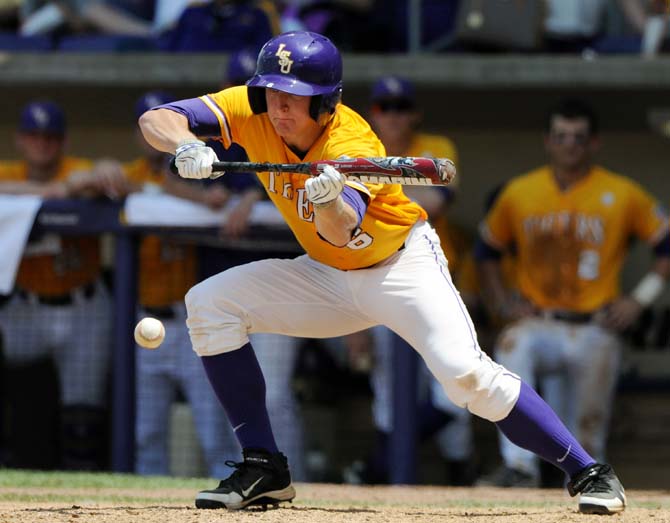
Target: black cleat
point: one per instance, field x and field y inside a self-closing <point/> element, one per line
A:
<point x="600" y="490"/>
<point x="261" y="479"/>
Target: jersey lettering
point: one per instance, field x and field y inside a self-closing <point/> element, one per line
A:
<point x="361" y="240"/>
<point x="589" y="229"/>
<point x="305" y="212"/>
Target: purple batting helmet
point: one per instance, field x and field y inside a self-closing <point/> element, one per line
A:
<point x="301" y="63"/>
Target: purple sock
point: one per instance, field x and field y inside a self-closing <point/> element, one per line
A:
<point x="238" y="382"/>
<point x="534" y="426"/>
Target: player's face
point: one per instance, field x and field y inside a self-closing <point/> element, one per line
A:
<point x="40" y="150"/>
<point x="570" y="144"/>
<point x="393" y="119"/>
<point x="289" y="115"/>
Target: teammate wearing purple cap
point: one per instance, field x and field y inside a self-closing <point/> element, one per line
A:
<point x="58" y="287"/>
<point x="371" y="258"/>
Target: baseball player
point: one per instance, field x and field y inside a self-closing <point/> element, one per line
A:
<point x="371" y="258"/>
<point x="395" y="118"/>
<point x="571" y="222"/>
<point x="60" y="308"/>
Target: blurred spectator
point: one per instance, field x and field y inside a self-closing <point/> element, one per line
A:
<point x="60" y="309"/>
<point x="391" y="23"/>
<point x="223" y="25"/>
<point x="396" y="118"/>
<point x="78" y="16"/>
<point x="350" y="24"/>
<point x="577" y="25"/>
<point x="571" y="222"/>
<point x="167" y="13"/>
<point x="167" y="270"/>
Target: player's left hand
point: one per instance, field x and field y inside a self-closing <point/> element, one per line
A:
<point x="621" y="313"/>
<point x="326" y="187"/>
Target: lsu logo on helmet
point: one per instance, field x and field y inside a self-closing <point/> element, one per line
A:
<point x="285" y="62"/>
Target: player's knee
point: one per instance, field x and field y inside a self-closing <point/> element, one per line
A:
<point x="489" y="392"/>
<point x="214" y="328"/>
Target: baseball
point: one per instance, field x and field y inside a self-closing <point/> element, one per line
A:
<point x="149" y="333"/>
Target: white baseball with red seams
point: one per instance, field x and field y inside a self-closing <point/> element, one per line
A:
<point x="149" y="333"/>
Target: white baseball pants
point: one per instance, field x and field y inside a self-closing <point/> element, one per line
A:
<point x="411" y="293"/>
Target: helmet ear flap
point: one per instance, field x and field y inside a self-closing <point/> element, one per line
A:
<point x="256" y="96"/>
<point x="324" y="105"/>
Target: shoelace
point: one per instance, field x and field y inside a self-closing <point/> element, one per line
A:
<point x="599" y="484"/>
<point x="234" y="465"/>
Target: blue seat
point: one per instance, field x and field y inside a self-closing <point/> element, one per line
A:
<point x="14" y="42"/>
<point x="104" y="43"/>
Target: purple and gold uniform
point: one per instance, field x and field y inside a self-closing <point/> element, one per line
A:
<point x="390" y="214"/>
<point x="391" y="272"/>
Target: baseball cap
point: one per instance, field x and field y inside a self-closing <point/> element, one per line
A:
<point x="150" y="100"/>
<point x="42" y="116"/>
<point x="394" y="88"/>
<point x="241" y="67"/>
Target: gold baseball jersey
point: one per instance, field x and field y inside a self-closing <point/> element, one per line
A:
<point x="55" y="265"/>
<point x="571" y="244"/>
<point x="390" y="214"/>
<point x="167" y="269"/>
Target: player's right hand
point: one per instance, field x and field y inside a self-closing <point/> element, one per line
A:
<point x="194" y="159"/>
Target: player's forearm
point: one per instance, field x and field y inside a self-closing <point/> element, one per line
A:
<point x="164" y="129"/>
<point x="336" y="222"/>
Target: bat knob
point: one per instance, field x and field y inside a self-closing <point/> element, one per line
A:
<point x="446" y="170"/>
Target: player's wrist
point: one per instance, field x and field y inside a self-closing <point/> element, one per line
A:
<point x="188" y="143"/>
<point x="327" y="204"/>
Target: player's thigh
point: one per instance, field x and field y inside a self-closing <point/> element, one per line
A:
<point x="297" y="297"/>
<point x="593" y="367"/>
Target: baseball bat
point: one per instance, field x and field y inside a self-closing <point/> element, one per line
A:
<point x="404" y="170"/>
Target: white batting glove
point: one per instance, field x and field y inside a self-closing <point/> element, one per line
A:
<point x="194" y="159"/>
<point x="326" y="187"/>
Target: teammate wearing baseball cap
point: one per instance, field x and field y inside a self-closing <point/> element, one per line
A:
<point x="58" y="287"/>
<point x="371" y="258"/>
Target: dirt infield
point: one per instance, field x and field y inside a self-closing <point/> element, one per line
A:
<point x="321" y="503"/>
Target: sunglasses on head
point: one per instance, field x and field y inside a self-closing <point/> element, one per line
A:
<point x="399" y="106"/>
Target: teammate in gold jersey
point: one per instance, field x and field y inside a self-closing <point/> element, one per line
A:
<point x="59" y="308"/>
<point x="571" y="223"/>
<point x="371" y="258"/>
